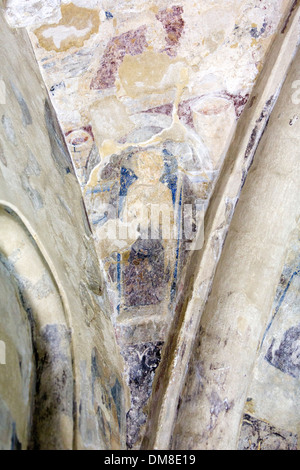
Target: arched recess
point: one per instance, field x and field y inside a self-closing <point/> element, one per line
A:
<point x="16" y="366"/>
<point x="52" y="380"/>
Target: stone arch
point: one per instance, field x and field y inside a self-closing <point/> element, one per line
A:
<point x="17" y="369"/>
<point x="52" y="408"/>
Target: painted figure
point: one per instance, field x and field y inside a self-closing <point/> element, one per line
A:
<point x="148" y="209"/>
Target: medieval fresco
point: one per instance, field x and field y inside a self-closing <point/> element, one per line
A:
<point x="128" y="152"/>
<point x="138" y="211"/>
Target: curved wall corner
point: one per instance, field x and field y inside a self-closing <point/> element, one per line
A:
<point x="47" y="247"/>
<point x="222" y="383"/>
<point x="52" y="407"/>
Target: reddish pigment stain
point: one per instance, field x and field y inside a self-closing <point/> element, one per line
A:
<point x="166" y="109"/>
<point x="185" y="112"/>
<point x="78" y="137"/>
<point x="132" y="42"/>
<point x="172" y="21"/>
<point x="185" y="108"/>
<point x="239" y="102"/>
<point x="89" y="130"/>
<point x="79" y="140"/>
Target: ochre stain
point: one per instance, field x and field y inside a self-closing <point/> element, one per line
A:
<point x="259" y="66"/>
<point x="143" y="73"/>
<point x="154" y="9"/>
<point x="249" y="407"/>
<point x="81" y="23"/>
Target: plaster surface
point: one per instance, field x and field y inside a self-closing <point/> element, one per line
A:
<point x="127" y="168"/>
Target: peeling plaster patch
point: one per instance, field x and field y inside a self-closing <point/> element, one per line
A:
<point x="110" y="120"/>
<point x="61" y="33"/>
<point x="76" y="26"/>
<point x="30" y="12"/>
<point x="260" y="435"/>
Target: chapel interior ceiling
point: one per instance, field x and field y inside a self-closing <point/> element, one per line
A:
<point x="163" y="109"/>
